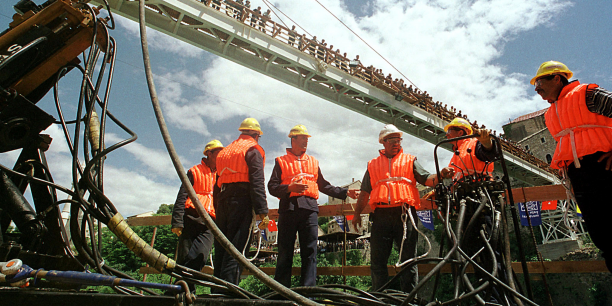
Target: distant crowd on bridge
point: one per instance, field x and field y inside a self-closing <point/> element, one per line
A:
<point x="320" y="50"/>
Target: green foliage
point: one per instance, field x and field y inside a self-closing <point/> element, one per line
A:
<point x="165" y="209"/>
<point x="393" y="257"/>
<point x="598" y="294"/>
<point x="353" y="258"/>
<point x="324" y="223"/>
<point x="254" y="285"/>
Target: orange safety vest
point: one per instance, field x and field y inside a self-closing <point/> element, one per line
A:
<point x="578" y="131"/>
<point x="466" y="163"/>
<point x="393" y="182"/>
<point x="231" y="162"/>
<point x="305" y="167"/>
<point x="203" y="182"/>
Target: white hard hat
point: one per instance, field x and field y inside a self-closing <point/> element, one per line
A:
<point x="388" y="130"/>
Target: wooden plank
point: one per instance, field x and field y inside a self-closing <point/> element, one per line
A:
<point x="545" y="193"/>
<point x="551" y="267"/>
<point x="590" y="266"/>
<point x="149" y="220"/>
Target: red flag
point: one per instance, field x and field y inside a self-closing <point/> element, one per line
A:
<point x="349" y="217"/>
<point x="272" y="226"/>
<point x="549" y="205"/>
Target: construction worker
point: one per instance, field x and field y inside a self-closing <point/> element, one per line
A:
<point x="389" y="187"/>
<point x="242" y="191"/>
<point x="296" y="180"/>
<point x="471" y="156"/>
<point x="579" y="118"/>
<point x="195" y="239"/>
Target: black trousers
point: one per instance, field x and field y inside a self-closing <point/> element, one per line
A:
<point x="195" y="244"/>
<point x="234" y="215"/>
<point x="304" y="222"/>
<point x="387" y="228"/>
<point x="591" y="184"/>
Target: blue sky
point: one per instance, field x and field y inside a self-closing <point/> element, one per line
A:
<point x="475" y="55"/>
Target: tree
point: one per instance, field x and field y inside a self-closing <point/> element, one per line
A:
<point x="165" y="209"/>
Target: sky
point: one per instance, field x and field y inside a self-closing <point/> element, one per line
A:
<point x="477" y="56"/>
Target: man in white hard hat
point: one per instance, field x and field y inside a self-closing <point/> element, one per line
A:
<point x="580" y="120"/>
<point x="389" y="187"/>
<point x="296" y="180"/>
<point x="195" y="239"/>
<point x="240" y="168"/>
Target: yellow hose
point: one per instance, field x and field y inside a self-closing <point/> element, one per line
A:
<point x="153" y="257"/>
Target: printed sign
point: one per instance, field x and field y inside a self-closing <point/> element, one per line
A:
<point x="533" y="208"/>
<point x="426" y="218"/>
<point x="340" y="221"/>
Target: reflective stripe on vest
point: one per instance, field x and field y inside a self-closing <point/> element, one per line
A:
<point x="305" y="167"/>
<point x="578" y="131"/>
<point x="394" y="182"/>
<point x="231" y="160"/>
<point x="203" y="183"/>
<point x="467" y="163"/>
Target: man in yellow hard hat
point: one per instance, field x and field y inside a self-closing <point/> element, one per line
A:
<point x="389" y="187"/>
<point x="242" y="190"/>
<point x="195" y="239"/>
<point x="296" y="180"/>
<point x="472" y="156"/>
<point x="580" y="120"/>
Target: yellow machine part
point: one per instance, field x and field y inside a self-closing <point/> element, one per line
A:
<point x="153" y="257"/>
<point x="79" y="38"/>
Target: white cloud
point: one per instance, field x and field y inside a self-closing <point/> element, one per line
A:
<point x="156" y="161"/>
<point x="134" y="193"/>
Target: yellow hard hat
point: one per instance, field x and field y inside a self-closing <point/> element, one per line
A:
<point x="213" y="144"/>
<point x="250" y="124"/>
<point x="552" y="67"/>
<point x="460" y="123"/>
<point x="298" y="130"/>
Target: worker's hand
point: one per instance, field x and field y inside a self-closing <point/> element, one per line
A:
<point x="356" y="222"/>
<point x="484" y="136"/>
<point x="177" y="230"/>
<point x="608" y="158"/>
<point x="447" y="172"/>
<point x="264" y="221"/>
<point x="430" y="195"/>
<point x="352" y="193"/>
<point x="297" y="187"/>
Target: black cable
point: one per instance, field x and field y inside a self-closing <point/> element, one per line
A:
<point x="110" y="16"/>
